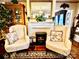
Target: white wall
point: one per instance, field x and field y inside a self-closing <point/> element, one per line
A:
<point x="73" y="6"/>
<point x="78" y="8"/>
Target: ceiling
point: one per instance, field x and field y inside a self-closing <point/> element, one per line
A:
<point x="57" y="0"/>
<point x="51" y="0"/>
<point x="43" y="0"/>
<point x="67" y="0"/>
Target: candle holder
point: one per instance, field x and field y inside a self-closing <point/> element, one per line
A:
<point x="53" y="18"/>
<point x="28" y="18"/>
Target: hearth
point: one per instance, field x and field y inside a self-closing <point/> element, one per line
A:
<point x="41" y="38"/>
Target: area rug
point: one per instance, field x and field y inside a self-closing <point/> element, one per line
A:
<point x="37" y="55"/>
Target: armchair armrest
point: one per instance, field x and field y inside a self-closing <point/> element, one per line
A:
<point x="27" y="39"/>
<point x="6" y="43"/>
<point x="48" y="39"/>
<point x="6" y="40"/>
<point x="68" y="44"/>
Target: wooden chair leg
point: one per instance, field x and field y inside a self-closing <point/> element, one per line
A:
<point x="47" y="50"/>
<point x="1" y="57"/>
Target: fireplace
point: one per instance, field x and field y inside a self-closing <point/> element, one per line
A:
<point x="41" y="38"/>
<point x="35" y="27"/>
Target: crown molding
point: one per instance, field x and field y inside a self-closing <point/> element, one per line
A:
<point x="40" y="0"/>
<point x="67" y="1"/>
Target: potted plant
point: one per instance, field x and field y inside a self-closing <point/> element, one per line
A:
<point x="5" y="16"/>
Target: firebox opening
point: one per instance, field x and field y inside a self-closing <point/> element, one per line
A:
<point x="41" y="38"/>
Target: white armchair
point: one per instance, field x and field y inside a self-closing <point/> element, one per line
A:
<point x="22" y="42"/>
<point x="59" y="41"/>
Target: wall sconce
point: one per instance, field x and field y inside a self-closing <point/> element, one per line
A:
<point x="28" y="18"/>
<point x="53" y="18"/>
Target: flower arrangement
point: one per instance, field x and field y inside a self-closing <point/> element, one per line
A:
<point x="40" y="17"/>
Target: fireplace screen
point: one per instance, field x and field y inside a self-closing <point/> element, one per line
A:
<point x="41" y="38"/>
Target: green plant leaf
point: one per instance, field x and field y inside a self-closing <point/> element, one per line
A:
<point x="4" y="13"/>
<point x="40" y="18"/>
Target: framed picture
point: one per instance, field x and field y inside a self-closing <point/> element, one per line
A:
<point x="38" y="8"/>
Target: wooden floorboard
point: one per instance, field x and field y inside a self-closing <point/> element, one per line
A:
<point x="75" y="50"/>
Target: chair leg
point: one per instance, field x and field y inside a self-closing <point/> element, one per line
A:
<point x="8" y="54"/>
<point x="47" y="50"/>
<point x="1" y="57"/>
<point x="27" y="51"/>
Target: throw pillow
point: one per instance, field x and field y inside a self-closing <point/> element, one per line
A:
<point x="56" y="36"/>
<point x="12" y="37"/>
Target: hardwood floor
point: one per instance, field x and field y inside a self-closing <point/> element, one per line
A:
<point x="75" y="50"/>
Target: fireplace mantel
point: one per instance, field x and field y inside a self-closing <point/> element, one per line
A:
<point x="34" y="27"/>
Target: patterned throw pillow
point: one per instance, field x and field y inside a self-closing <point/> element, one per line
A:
<point x="12" y="37"/>
<point x="56" y="36"/>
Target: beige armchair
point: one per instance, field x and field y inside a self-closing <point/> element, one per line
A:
<point x="22" y="42"/>
<point x="58" y="40"/>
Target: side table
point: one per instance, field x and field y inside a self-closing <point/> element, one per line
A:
<point x="2" y="50"/>
<point x="32" y="43"/>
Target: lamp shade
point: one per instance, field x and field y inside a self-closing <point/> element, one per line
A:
<point x="77" y="17"/>
<point x="64" y="5"/>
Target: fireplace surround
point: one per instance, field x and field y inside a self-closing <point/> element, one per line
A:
<point x="39" y="27"/>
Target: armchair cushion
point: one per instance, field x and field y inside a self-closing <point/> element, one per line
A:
<point x="20" y="31"/>
<point x="12" y="37"/>
<point x="18" y="45"/>
<point x="58" y="34"/>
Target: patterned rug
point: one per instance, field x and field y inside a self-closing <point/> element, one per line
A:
<point x="36" y="55"/>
